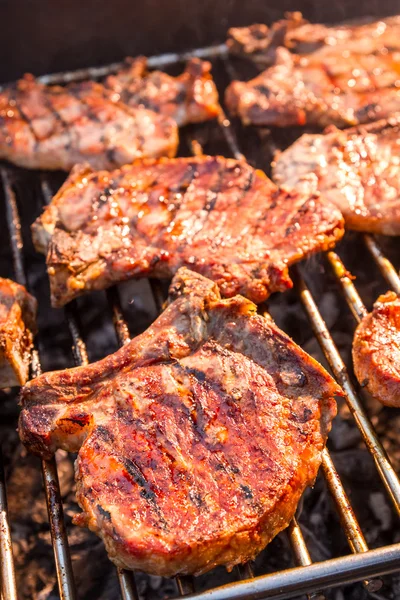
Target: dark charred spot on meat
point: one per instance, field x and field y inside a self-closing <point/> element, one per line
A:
<point x="200" y="375"/>
<point x="104" y="434"/>
<point x="248" y="494"/>
<point x="263" y="89"/>
<point x="196" y="498"/>
<point x="104" y="513"/>
<point x="81" y="420"/>
<point x="303" y="416"/>
<point x="293" y="376"/>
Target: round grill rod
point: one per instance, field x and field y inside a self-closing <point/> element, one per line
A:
<point x="382" y="462"/>
<point x="62" y="555"/>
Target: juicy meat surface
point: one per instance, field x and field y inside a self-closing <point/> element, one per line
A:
<point x="215" y="215"/>
<point x="342" y="76"/>
<point x="53" y="127"/>
<point x="357" y="169"/>
<point x="259" y="41"/>
<point x="17" y="326"/>
<point x="376" y="350"/>
<point x="195" y="440"/>
<point x="189" y="98"/>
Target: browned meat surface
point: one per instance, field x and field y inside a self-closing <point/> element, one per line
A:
<point x="196" y="439"/>
<point x="357" y="169"/>
<point x="376" y="350"/>
<point x="51" y="127"/>
<point x="189" y="98"/>
<point x="345" y="75"/>
<point x="215" y="215"/>
<point x="259" y="41"/>
<point x="17" y="325"/>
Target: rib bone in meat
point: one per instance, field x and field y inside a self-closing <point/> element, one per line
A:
<point x="195" y="440"/>
<point x="215" y="215"/>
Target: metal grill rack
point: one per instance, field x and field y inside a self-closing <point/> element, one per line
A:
<point x="362" y="565"/>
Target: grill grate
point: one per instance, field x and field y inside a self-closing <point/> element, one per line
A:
<point x="307" y="577"/>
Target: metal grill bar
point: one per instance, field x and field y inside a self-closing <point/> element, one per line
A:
<point x="386" y="267"/>
<point x="162" y="60"/>
<point x="293" y="582"/>
<point x="7" y="572"/>
<point x="52" y="488"/>
<point x="382" y="462"/>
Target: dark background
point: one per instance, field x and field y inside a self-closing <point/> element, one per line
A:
<point x="43" y="37"/>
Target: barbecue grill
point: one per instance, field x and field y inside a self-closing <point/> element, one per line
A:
<point x="362" y="564"/>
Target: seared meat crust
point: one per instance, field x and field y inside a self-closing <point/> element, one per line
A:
<point x="215" y="215"/>
<point x="189" y="98"/>
<point x="342" y="75"/>
<point x="259" y="41"/>
<point x="376" y="350"/>
<point x="52" y="127"/>
<point x="17" y="326"/>
<point x="357" y="169"/>
<point x="196" y="439"/>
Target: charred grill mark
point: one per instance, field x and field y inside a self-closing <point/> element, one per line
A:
<point x="146" y="492"/>
<point x="66" y="127"/>
<point x="76" y="92"/>
<point x="248" y="493"/>
<point x="104" y="434"/>
<point x="189" y="174"/>
<point x="212" y="196"/>
<point x="331" y="78"/>
<point x="196" y="499"/>
<point x="13" y="97"/>
<point x="104" y="513"/>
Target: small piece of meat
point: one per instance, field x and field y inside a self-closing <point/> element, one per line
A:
<point x="334" y="87"/>
<point x="357" y="169"/>
<point x="17" y="326"/>
<point x="259" y="41"/>
<point x="215" y="215"/>
<point x="53" y="127"/>
<point x="189" y="98"/>
<point x="376" y="350"/>
<point x="195" y="441"/>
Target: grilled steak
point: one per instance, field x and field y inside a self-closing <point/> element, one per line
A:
<point x="17" y="325"/>
<point x="189" y="98"/>
<point x="357" y="169"/>
<point x="259" y="42"/>
<point x="345" y="76"/>
<point x="376" y="350"/>
<point x="52" y="127"/>
<point x="215" y="215"/>
<point x="196" y="439"/>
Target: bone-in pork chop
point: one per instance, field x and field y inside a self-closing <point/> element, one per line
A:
<point x="215" y="215"/>
<point x="357" y="169"/>
<point x="195" y="440"/>
<point x="17" y="326"/>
